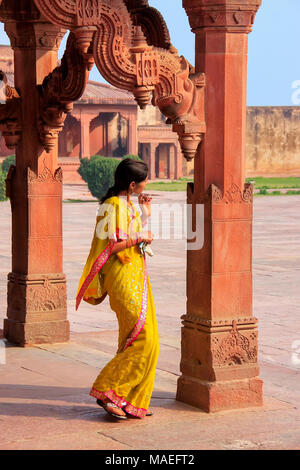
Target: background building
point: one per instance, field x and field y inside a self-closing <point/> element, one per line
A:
<point x="107" y="121"/>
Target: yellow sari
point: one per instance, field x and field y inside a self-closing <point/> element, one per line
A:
<point x="128" y="379"/>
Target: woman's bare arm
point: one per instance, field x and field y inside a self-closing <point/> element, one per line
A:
<point x="144" y="218"/>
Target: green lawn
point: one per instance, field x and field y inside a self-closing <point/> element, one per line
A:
<point x="167" y="186"/>
<point x="259" y="183"/>
<point x="275" y="183"/>
<point x="78" y="200"/>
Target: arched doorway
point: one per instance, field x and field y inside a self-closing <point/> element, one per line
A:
<point x="69" y="141"/>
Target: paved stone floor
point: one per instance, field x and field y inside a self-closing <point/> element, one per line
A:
<point x="44" y="401"/>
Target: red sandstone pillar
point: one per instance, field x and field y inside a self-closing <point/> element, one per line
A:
<point x="171" y="161"/>
<point x="162" y="160"/>
<point x="132" y="134"/>
<point x="105" y="137"/>
<point x="178" y="161"/>
<point x="109" y="151"/>
<point x="152" y="158"/>
<point x="144" y="154"/>
<point x="219" y="334"/>
<point x="37" y="304"/>
<point x="85" y="120"/>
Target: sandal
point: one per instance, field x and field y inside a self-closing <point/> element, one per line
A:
<point x="149" y="413"/>
<point x="112" y="405"/>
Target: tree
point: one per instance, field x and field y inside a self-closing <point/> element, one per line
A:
<point x="98" y="172"/>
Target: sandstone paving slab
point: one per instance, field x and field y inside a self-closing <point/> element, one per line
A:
<point x="169" y="355"/>
<point x="40" y="401"/>
<point x="44" y="390"/>
<point x="71" y="366"/>
<point x="76" y="441"/>
<point x="281" y="382"/>
<point x="276" y="265"/>
<point x="37" y="400"/>
<point x="29" y="427"/>
<point x="183" y="429"/>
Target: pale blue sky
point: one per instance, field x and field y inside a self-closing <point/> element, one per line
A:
<point x="273" y="59"/>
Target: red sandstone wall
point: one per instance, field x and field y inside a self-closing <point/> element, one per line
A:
<point x="273" y="140"/>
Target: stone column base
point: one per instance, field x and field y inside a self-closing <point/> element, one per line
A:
<point x="28" y="334"/>
<point x="37" y="309"/>
<point x="222" y="395"/>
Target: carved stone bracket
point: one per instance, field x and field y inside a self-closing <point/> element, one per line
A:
<point x="10" y="113"/>
<point x="19" y="10"/>
<point x="132" y="50"/>
<point x="59" y="90"/>
<point x="27" y="28"/>
<point x="151" y="21"/>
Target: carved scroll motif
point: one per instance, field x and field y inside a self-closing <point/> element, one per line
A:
<point x="59" y="90"/>
<point x="214" y="195"/>
<point x="130" y="55"/>
<point x="46" y="296"/>
<point x="10" y="113"/>
<point x="45" y="176"/>
<point x="151" y="21"/>
<point x="233" y="195"/>
<point x="32" y="294"/>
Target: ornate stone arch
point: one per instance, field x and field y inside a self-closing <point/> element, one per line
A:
<point x="130" y="43"/>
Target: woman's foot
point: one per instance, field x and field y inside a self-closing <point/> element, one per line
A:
<point x="149" y="413"/>
<point x="112" y="408"/>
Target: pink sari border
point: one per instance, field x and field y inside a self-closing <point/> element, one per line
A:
<point x="119" y="401"/>
<point x="142" y="317"/>
<point x="100" y="261"/>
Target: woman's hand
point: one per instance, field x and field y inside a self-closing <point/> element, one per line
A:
<point x="147" y="237"/>
<point x="145" y="204"/>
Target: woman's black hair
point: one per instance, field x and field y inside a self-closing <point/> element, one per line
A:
<point x="127" y="171"/>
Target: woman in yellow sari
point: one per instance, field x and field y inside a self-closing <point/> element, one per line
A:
<point x="116" y="266"/>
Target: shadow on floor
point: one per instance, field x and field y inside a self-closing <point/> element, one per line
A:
<point x="87" y="410"/>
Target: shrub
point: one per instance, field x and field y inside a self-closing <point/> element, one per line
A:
<point x="11" y="160"/>
<point x="2" y="185"/>
<point x="82" y="170"/>
<point x="291" y="192"/>
<point x="98" y="172"/>
<point x="134" y="157"/>
<point x="263" y="190"/>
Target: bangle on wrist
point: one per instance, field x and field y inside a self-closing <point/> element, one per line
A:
<point x="134" y="240"/>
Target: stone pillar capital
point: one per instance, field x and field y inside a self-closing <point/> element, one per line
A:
<point x="30" y="35"/>
<point x="233" y="16"/>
